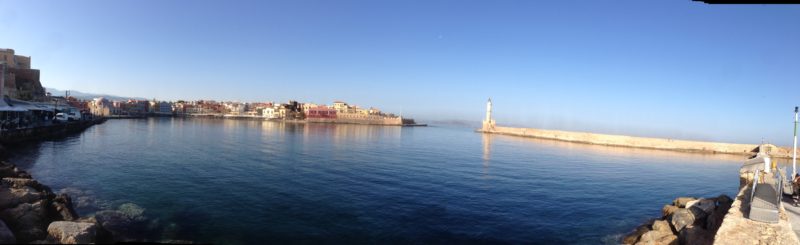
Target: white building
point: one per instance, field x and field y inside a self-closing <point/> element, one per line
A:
<point x="100" y="107"/>
<point x="270" y="113"/>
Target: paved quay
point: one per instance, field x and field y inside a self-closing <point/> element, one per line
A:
<point x="737" y="228"/>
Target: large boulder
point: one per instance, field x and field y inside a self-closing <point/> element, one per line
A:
<point x="681" y="218"/>
<point x="84" y="200"/>
<point x="27" y="221"/>
<point x="714" y="220"/>
<point x="67" y="232"/>
<point x="721" y="199"/>
<point x="133" y="211"/>
<point x="62" y="207"/>
<point x="11" y="197"/>
<point x="21" y="182"/>
<point x="658" y="238"/>
<point x="22" y="173"/>
<point x="695" y="235"/>
<point x="701" y="209"/>
<point x="7" y="171"/>
<point x="668" y="210"/>
<point x="102" y="235"/>
<point x="632" y="237"/>
<point x="124" y="226"/>
<point x="705" y="205"/>
<point x="662" y="226"/>
<point x="682" y="201"/>
<point x="6" y="236"/>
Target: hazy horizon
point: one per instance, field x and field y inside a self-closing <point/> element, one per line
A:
<point x="659" y="68"/>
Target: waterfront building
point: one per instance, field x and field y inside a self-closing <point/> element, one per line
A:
<point x="164" y="107"/>
<point x="138" y="107"/>
<point x="341" y="112"/>
<point x="79" y="104"/>
<point x="283" y="111"/>
<point x="235" y="108"/>
<point x="307" y="106"/>
<point x="270" y="113"/>
<point x="100" y="107"/>
<point x="161" y="108"/>
<point x="321" y="112"/>
<point x="210" y="107"/>
<point x="340" y="106"/>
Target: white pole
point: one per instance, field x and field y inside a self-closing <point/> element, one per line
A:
<point x="794" y="147"/>
<point x="767" y="167"/>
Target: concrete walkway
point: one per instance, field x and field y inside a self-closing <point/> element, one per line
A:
<point x="793" y="213"/>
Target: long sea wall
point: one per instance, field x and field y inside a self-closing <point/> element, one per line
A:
<point x="375" y="120"/>
<point x="636" y="142"/>
<point x="43" y="132"/>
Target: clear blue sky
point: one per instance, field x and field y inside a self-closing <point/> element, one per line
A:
<point x="656" y="68"/>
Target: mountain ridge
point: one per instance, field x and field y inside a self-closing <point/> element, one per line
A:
<point x="89" y="96"/>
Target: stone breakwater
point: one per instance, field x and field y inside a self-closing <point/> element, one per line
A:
<point x="687" y="220"/>
<point x="635" y="142"/>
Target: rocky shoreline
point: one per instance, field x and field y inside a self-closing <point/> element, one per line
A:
<point x="687" y="220"/>
<point x="31" y="212"/>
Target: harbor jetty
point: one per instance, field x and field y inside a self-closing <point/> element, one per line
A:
<point x="745" y="219"/>
<point x="489" y="126"/>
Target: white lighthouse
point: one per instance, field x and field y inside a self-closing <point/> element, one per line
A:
<point x="488" y="123"/>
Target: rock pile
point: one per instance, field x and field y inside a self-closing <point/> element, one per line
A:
<point x="686" y="220"/>
<point x="31" y="213"/>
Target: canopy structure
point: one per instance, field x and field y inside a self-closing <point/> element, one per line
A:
<point x="34" y="106"/>
<point x="4" y="106"/>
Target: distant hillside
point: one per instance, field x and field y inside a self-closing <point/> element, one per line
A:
<point x="89" y="96"/>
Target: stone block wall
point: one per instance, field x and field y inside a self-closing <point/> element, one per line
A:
<point x="24" y="84"/>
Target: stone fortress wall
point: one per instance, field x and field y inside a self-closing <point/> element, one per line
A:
<point x="20" y="81"/>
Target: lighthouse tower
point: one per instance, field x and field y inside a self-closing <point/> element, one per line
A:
<point x="488" y="123"/>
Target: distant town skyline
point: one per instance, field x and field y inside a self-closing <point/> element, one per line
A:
<point x="677" y="69"/>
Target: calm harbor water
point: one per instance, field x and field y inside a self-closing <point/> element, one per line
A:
<point x="239" y="182"/>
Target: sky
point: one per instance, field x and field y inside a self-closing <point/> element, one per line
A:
<point x="663" y="68"/>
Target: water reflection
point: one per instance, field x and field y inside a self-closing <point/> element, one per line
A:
<point x="239" y="181"/>
<point x="486" y="140"/>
